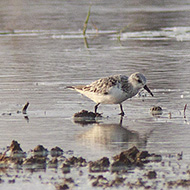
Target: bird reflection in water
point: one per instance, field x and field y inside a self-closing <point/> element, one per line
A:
<point x="113" y="136"/>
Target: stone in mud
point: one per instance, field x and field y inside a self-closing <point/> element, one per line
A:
<point x="99" y="165"/>
<point x="56" y="152"/>
<point x="76" y="161"/>
<point x="66" y="168"/>
<point x="85" y="117"/>
<point x="151" y="175"/>
<point x="40" y="151"/>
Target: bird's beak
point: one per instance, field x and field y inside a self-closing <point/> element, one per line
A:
<point x="148" y="90"/>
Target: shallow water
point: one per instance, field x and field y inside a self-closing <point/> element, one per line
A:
<point x="42" y="50"/>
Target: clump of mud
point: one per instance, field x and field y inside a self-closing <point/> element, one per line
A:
<point x="101" y="165"/>
<point x="55" y="152"/>
<point x="85" y="117"/>
<point x="179" y="183"/>
<point x="40" y="151"/>
<point x="105" y="172"/>
<point x="101" y="181"/>
<point x="13" y="155"/>
<point x="156" y="110"/>
<point x="132" y="158"/>
<point x="67" y="183"/>
<point x="76" y="161"/>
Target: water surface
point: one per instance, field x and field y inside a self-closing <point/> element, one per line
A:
<point x="42" y="50"/>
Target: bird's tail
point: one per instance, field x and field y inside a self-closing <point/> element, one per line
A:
<point x="77" y="88"/>
<point x="71" y="87"/>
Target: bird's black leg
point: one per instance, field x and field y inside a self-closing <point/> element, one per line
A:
<point x="96" y="107"/>
<point x="122" y="112"/>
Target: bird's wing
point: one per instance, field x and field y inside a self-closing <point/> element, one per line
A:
<point x="103" y="86"/>
<point x="125" y="85"/>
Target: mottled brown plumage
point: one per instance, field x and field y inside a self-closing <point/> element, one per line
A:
<point x="113" y="89"/>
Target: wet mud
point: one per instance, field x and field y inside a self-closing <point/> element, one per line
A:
<point x="131" y="168"/>
<point x="85" y="117"/>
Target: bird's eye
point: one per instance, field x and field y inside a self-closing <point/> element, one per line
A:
<point x="139" y="81"/>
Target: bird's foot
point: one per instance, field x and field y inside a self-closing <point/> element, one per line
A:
<point x="122" y="114"/>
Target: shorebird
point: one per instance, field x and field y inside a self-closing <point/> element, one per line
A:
<point x="113" y="89"/>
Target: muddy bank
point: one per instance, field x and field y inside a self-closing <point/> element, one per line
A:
<point x="131" y="168"/>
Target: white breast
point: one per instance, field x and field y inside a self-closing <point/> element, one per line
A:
<point x="115" y="96"/>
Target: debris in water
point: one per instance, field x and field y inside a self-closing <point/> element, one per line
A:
<point x="24" y="109"/>
<point x="185" y="107"/>
<point x="156" y="110"/>
<point x="170" y="115"/>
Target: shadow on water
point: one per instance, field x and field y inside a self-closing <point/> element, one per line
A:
<point x="112" y="136"/>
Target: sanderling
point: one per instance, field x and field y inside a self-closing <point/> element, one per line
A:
<point x="113" y="89"/>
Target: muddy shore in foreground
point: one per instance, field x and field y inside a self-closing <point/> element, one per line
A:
<point x="131" y="168"/>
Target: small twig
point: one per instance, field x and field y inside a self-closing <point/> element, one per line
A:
<point x="185" y="107"/>
<point x="86" y="22"/>
<point x="24" y="109"/>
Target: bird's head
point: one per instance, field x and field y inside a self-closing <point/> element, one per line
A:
<point x="138" y="81"/>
